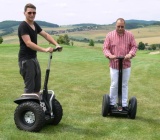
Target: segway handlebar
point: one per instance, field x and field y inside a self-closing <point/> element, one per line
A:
<point x="57" y="49"/>
<point x="120" y="57"/>
<point x="50" y="55"/>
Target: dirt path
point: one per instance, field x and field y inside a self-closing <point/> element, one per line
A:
<point x="157" y="52"/>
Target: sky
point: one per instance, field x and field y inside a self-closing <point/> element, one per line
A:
<point x="68" y="12"/>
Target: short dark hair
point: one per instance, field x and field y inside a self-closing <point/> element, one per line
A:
<point x="29" y="5"/>
<point x="121" y="19"/>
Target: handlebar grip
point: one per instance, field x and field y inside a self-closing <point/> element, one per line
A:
<point x="120" y="57"/>
<point x="57" y="49"/>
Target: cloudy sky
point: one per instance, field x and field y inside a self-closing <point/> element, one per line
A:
<point x="65" y="12"/>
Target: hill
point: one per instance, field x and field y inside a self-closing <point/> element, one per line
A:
<point x="10" y="23"/>
<point x="145" y="31"/>
<point x="141" y="21"/>
<point x="133" y="23"/>
<point x="9" y="26"/>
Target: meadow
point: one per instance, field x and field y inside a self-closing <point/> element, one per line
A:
<point x="80" y="76"/>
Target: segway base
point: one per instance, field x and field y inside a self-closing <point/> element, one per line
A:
<point x="116" y="112"/>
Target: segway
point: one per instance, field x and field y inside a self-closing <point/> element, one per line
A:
<point x="117" y="109"/>
<point x="34" y="111"/>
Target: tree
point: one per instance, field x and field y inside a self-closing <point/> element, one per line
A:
<point x="66" y="39"/>
<point x="63" y="39"/>
<point x="153" y="47"/>
<point x="91" y="43"/>
<point x="141" y="46"/>
<point x="1" y="40"/>
<point x="72" y="43"/>
<point x="146" y="44"/>
<point x="60" y="40"/>
<point x="159" y="47"/>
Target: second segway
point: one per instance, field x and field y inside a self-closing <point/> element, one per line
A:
<point x="118" y="109"/>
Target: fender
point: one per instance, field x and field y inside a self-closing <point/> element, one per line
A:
<point x="27" y="97"/>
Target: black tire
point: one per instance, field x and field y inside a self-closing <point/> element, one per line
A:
<point x="132" y="108"/>
<point x="29" y="116"/>
<point x="57" y="112"/>
<point x="105" y="105"/>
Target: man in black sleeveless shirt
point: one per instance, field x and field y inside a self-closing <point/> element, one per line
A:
<point x="28" y="63"/>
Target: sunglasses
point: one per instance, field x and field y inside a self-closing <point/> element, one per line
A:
<point x="120" y="26"/>
<point x="29" y="13"/>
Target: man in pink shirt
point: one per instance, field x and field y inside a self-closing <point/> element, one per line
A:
<point x="119" y="42"/>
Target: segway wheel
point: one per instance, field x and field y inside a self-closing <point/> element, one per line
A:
<point x="132" y="107"/>
<point x="57" y="112"/>
<point x="105" y="105"/>
<point x="29" y="116"/>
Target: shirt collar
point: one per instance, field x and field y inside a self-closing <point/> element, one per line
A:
<point x="121" y="34"/>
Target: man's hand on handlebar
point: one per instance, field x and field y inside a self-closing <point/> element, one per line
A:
<point x="112" y="57"/>
<point x="49" y="49"/>
<point x="58" y="48"/>
<point x="128" y="56"/>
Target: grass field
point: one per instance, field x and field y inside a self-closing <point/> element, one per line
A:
<point x="80" y="76"/>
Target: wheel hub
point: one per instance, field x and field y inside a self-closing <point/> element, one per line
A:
<point x="29" y="117"/>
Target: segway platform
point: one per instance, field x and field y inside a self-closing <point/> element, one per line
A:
<point x="118" y="111"/>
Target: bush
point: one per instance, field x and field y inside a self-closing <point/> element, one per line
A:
<point x="91" y="43"/>
<point x="1" y="40"/>
<point x="141" y="46"/>
<point x="63" y="39"/>
<point x="153" y="47"/>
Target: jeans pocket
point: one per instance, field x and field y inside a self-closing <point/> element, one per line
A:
<point x="22" y="67"/>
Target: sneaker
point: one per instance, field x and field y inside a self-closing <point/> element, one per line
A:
<point x="125" y="108"/>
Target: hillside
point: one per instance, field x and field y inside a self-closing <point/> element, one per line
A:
<point x="133" y="23"/>
<point x="9" y="26"/>
<point x="145" y="31"/>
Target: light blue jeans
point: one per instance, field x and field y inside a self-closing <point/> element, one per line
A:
<point x="114" y="86"/>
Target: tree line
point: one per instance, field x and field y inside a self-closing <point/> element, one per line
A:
<point x="145" y="46"/>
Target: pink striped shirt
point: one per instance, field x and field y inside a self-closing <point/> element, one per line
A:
<point x="119" y="45"/>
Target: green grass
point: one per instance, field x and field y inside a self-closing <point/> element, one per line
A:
<point x="80" y="76"/>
